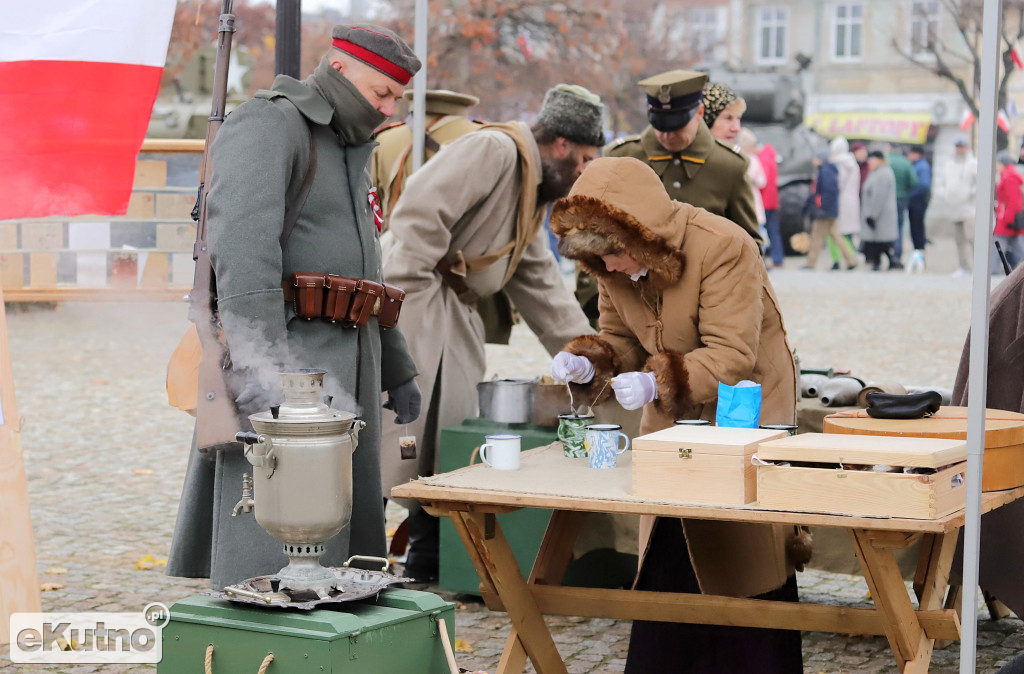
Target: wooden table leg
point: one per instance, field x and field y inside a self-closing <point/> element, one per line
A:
<point x="911" y="647"/>
<point x="499" y="564"/>
<point x="553" y="557"/>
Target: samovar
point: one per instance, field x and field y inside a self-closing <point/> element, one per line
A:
<point x="301" y="494"/>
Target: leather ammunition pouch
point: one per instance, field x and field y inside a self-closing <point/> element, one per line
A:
<point x="339" y="293"/>
<point x="391" y="306"/>
<point x="308" y="294"/>
<point x="340" y="299"/>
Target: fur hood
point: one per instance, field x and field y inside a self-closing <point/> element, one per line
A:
<point x="620" y="204"/>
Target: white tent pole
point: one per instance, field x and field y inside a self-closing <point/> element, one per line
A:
<point x="978" y="382"/>
<point x="419" y="86"/>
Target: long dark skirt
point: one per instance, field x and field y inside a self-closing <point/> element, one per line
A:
<point x="679" y="648"/>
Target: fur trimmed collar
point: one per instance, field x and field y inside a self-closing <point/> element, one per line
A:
<point x="588" y="228"/>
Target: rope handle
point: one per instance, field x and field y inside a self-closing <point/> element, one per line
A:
<point x="449" y="652"/>
<point x="208" y="661"/>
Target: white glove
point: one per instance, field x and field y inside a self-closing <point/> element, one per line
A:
<point x="570" y="367"/>
<point x="633" y="390"/>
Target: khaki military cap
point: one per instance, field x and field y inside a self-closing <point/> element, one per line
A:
<point x="445" y="102"/>
<point x="673" y="97"/>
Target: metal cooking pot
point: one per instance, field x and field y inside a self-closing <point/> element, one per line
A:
<point x="507" y="401"/>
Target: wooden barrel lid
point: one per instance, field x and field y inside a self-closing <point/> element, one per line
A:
<point x="1002" y="428"/>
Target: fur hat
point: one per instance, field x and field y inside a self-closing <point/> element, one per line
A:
<point x="718" y="97"/>
<point x="574" y="113"/>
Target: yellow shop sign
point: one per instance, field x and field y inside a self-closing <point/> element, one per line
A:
<point x="897" y="127"/>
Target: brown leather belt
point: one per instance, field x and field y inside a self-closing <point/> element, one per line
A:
<point x="338" y="299"/>
<point x="289" y="296"/>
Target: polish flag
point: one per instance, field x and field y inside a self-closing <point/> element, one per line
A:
<point x="966" y="120"/>
<point x="1015" y="56"/>
<point x="1003" y="121"/>
<point x="77" y="83"/>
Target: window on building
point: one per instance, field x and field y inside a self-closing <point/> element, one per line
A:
<point x="704" y="31"/>
<point x="848" y="31"/>
<point x="924" y="25"/>
<point x="772" y="26"/>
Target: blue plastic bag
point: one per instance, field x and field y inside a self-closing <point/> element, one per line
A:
<point x="739" y="406"/>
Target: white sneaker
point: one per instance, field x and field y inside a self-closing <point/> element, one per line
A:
<point x="961" y="272"/>
<point x="916" y="263"/>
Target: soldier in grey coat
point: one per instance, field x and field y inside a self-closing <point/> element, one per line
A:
<point x="260" y="158"/>
<point x="878" y="210"/>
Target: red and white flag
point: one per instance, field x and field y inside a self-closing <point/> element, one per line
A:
<point x="1003" y="121"/>
<point x="77" y="83"/>
<point x="1015" y="56"/>
<point x="966" y="120"/>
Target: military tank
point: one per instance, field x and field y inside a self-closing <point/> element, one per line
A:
<point x="775" y="114"/>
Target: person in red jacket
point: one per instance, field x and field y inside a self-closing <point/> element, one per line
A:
<point x="1009" y="202"/>
<point x="770" y="199"/>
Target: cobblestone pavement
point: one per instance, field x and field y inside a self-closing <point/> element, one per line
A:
<point x="105" y="455"/>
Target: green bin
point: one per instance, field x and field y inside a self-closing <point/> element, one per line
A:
<point x="395" y="632"/>
<point x="523" y="528"/>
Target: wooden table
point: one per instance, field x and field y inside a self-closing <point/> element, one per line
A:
<point x="471" y="497"/>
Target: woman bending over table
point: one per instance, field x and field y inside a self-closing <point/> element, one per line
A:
<point x="685" y="303"/>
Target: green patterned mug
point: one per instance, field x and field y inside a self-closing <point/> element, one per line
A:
<point x="572" y="432"/>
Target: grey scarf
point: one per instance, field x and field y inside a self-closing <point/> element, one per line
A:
<point x="354" y="118"/>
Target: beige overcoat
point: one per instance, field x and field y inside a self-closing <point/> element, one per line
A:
<point x="464" y="206"/>
<point x="705" y="313"/>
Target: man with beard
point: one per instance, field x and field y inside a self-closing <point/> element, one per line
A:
<point x="465" y="228"/>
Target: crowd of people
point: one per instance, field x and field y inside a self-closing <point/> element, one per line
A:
<point x="674" y="295"/>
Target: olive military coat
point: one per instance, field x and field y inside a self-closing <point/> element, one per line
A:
<point x="391" y="164"/>
<point x="259" y="159"/>
<point x="707" y="174"/>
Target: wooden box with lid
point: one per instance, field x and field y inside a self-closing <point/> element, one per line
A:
<point x="1004" y="437"/>
<point x="917" y="478"/>
<point x="698" y="464"/>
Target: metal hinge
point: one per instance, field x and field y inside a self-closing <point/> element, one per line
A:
<point x="685" y="453"/>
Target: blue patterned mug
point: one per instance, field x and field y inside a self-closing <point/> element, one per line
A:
<point x="602" y="443"/>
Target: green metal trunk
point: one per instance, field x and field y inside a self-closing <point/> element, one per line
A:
<point x="393" y="633"/>
<point x="523" y="528"/>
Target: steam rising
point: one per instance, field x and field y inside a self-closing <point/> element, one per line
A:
<point x="257" y="362"/>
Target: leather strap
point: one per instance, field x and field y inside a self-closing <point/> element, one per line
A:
<point x="453" y="280"/>
<point x="294" y="209"/>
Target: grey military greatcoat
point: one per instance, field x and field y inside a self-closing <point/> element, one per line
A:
<point x="260" y="157"/>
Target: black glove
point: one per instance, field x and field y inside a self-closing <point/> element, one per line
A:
<point x="405" y="400"/>
<point x="871" y="222"/>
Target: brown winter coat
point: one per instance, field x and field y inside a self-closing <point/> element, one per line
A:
<point x="1002" y="530"/>
<point x="705" y="313"/>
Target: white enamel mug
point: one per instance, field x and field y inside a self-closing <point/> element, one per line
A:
<point x="501" y="452"/>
